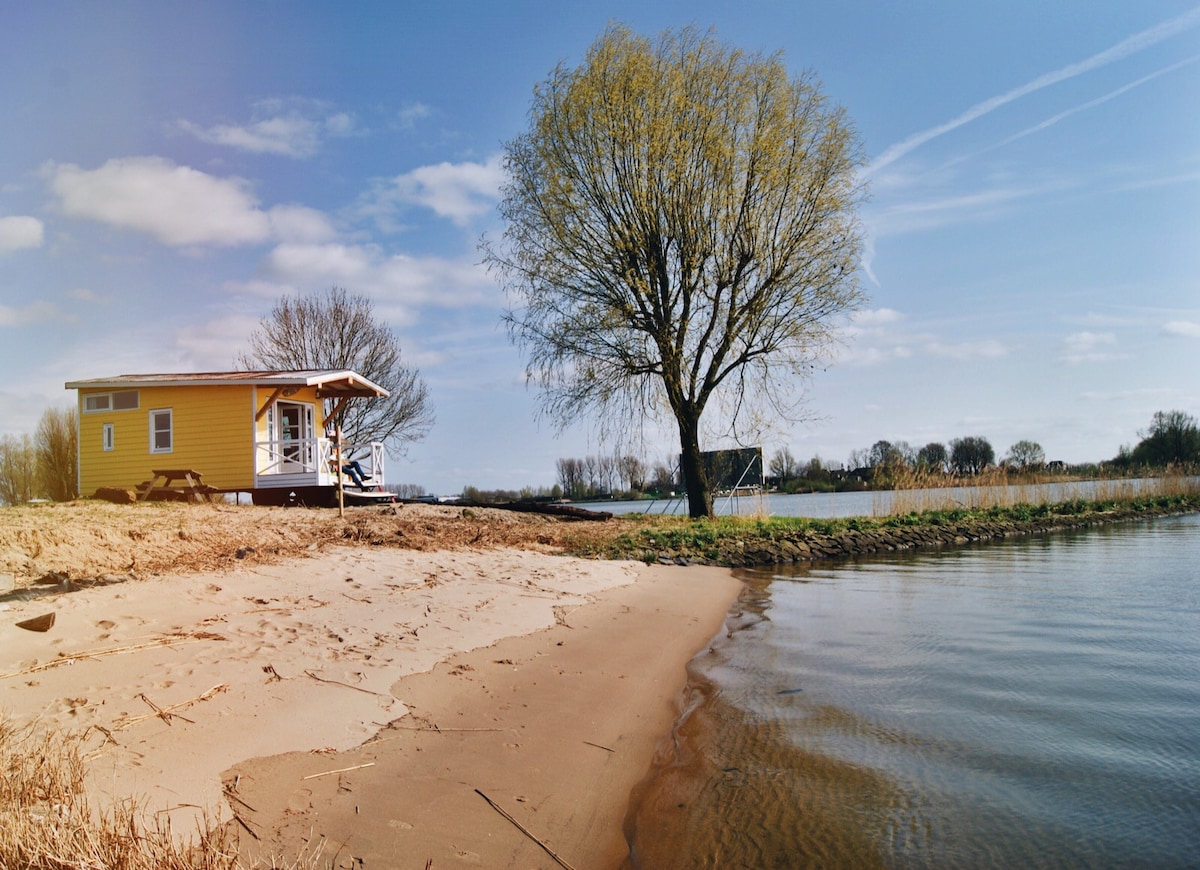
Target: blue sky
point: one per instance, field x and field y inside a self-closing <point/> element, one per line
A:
<point x="168" y="170"/>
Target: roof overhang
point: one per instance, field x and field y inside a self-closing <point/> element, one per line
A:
<point x="339" y="384"/>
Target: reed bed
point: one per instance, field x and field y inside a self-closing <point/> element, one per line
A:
<point x="47" y="821"/>
<point x="917" y="493"/>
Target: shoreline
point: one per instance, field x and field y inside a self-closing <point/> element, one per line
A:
<point x="267" y="668"/>
<point x="556" y="728"/>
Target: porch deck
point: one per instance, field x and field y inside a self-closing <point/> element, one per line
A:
<point x="313" y="462"/>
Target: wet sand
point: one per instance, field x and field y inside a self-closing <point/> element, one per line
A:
<point x="543" y="682"/>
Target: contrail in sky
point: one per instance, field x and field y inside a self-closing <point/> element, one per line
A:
<point x="1124" y="48"/>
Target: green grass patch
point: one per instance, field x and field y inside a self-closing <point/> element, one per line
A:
<point x="719" y="539"/>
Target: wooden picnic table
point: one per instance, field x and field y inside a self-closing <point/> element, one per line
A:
<point x="195" y="488"/>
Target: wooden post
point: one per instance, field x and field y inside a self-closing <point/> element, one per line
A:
<point x="337" y="449"/>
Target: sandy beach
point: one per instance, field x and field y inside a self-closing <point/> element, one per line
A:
<point x="364" y="701"/>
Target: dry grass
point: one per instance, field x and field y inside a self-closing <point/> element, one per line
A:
<point x="86" y="540"/>
<point x="48" y="823"/>
<point x="993" y="489"/>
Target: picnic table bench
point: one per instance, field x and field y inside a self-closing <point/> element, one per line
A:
<point x="195" y="489"/>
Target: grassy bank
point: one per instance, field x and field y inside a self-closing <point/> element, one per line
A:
<point x="745" y="541"/>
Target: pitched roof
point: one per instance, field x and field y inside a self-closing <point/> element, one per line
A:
<point x="329" y="382"/>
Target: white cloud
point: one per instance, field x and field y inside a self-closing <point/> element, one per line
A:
<point x="34" y="312"/>
<point x="213" y="345"/>
<point x="83" y="294"/>
<point x="988" y="349"/>
<point x="922" y="216"/>
<point x="458" y="191"/>
<point x="397" y="280"/>
<point x="176" y="204"/>
<point x="1089" y="347"/>
<point x="291" y="128"/>
<point x="1126" y="47"/>
<point x="1183" y="328"/>
<point x="1091" y="104"/>
<point x="410" y="115"/>
<point x="298" y="223"/>
<point x="20" y="232"/>
<point x="877" y="317"/>
<point x="181" y="206"/>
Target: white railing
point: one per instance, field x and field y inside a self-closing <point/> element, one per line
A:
<point x="314" y="459"/>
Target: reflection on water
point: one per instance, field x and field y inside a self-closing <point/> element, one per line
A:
<point x="1035" y="703"/>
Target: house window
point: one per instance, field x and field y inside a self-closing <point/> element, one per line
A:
<point x="109" y="441"/>
<point x="122" y="400"/>
<point x="161" y="440"/>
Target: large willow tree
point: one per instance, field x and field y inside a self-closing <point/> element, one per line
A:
<point x="681" y="233"/>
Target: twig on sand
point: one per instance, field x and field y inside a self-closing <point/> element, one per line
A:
<point x="348" y="686"/>
<point x="70" y="659"/>
<point x="244" y="824"/>
<point x="340" y="770"/>
<point x="598" y="746"/>
<point x="159" y="711"/>
<point x="433" y="729"/>
<point x="107" y="735"/>
<point x="230" y="794"/>
<point x="165" y="713"/>
<point x="524" y="830"/>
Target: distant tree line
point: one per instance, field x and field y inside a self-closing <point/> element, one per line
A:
<point x="1173" y="439"/>
<point x="891" y="463"/>
<point x="42" y="465"/>
<point x="608" y="476"/>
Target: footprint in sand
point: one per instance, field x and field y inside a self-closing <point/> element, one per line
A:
<point x="105" y="623"/>
<point x="300" y="801"/>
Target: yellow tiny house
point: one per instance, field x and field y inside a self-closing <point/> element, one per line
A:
<point x="256" y="432"/>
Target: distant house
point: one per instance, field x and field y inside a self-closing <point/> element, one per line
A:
<point x="256" y="432"/>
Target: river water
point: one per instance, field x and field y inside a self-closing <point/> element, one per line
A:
<point x="1034" y="703"/>
<point x="885" y="502"/>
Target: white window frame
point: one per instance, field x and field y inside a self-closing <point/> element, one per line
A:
<point x="109" y="438"/>
<point x="110" y="401"/>
<point x="154" y="430"/>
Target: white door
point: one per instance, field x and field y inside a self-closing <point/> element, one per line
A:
<point x="294" y="431"/>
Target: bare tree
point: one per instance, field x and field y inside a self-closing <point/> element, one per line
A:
<point x="337" y="330"/>
<point x="1173" y="437"/>
<point x="971" y="455"/>
<point x="18" y="469"/>
<point x="664" y="479"/>
<point x="57" y="443"/>
<point x="1027" y="455"/>
<point x="783" y="466"/>
<point x="633" y="471"/>
<point x="570" y="477"/>
<point x="681" y="234"/>
<point x="933" y="457"/>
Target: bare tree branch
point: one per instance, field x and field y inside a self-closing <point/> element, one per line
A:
<point x="337" y="330"/>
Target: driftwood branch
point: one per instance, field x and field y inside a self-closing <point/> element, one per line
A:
<point x="340" y="770"/>
<point x="347" y="686"/>
<point x="70" y="659"/>
<point x="566" y="511"/>
<point x="165" y="713"/>
<point x="524" y="830"/>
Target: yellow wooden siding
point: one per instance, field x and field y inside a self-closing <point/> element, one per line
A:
<point x="212" y="432"/>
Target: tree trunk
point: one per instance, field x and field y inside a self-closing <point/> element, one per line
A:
<point x="695" y="481"/>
